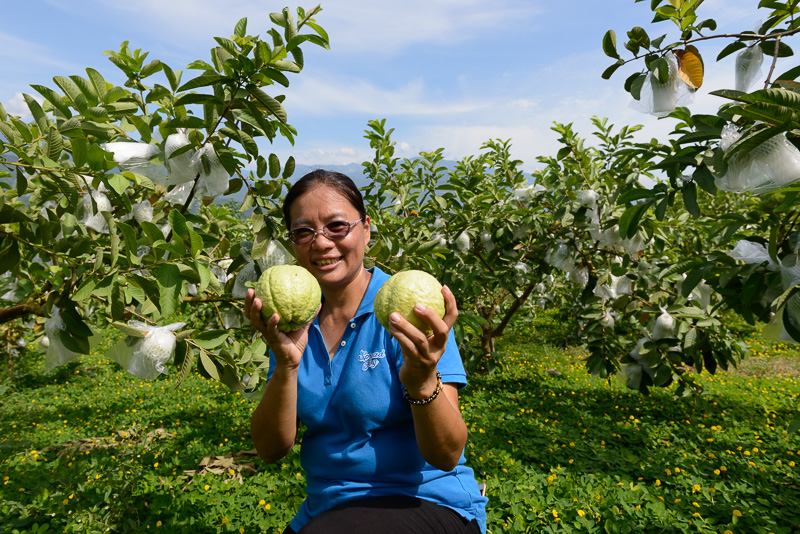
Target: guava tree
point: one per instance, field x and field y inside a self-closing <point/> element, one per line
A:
<point x="469" y="226"/>
<point x="627" y="295"/>
<point x="733" y="174"/>
<point x="97" y="224"/>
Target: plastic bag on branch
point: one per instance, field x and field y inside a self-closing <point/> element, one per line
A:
<point x="232" y="318"/>
<point x="560" y="258"/>
<point x="91" y="217"/>
<point x="57" y="354"/>
<point x="790" y="277"/>
<point x="276" y="254"/>
<point x="143" y="212"/>
<point x="182" y="168"/>
<point x="607" y="320"/>
<point x="135" y="157"/>
<point x="146" y="356"/>
<point x="440" y="238"/>
<point x="486" y="241"/>
<point x="580" y="276"/>
<point x="524" y="195"/>
<point x="522" y="272"/>
<point x="179" y="194"/>
<point x="659" y="98"/>
<point x="462" y="243"/>
<point x="587" y="198"/>
<point x="220" y="270"/>
<point x="245" y="274"/>
<point x="615" y="287"/>
<point x="213" y="176"/>
<point x="752" y="252"/>
<point x="665" y="325"/>
<point x="748" y="67"/>
<point x="773" y="164"/>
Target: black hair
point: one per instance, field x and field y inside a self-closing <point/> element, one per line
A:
<point x="336" y="180"/>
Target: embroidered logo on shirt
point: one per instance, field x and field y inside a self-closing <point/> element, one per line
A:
<point x="371" y="360"/>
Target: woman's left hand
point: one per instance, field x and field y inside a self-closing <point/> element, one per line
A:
<point x="421" y="353"/>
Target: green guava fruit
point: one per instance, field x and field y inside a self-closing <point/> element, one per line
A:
<point x="403" y="291"/>
<point x="290" y="291"/>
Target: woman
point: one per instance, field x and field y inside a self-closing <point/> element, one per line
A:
<point x="384" y="441"/>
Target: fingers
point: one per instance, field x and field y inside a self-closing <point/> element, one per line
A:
<point x="252" y="309"/>
<point x="451" y="309"/>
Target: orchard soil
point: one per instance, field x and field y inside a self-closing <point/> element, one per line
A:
<point x="89" y="448"/>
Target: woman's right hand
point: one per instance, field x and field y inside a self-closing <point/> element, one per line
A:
<point x="288" y="347"/>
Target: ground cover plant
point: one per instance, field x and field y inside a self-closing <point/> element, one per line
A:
<point x="90" y="448"/>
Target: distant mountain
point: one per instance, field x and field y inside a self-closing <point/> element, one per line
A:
<point x="355" y="171"/>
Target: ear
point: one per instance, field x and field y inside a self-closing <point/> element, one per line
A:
<point x="367" y="225"/>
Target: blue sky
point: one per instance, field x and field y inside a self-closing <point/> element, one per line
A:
<point x="444" y="73"/>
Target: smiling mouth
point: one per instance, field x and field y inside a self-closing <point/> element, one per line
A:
<point x="327" y="261"/>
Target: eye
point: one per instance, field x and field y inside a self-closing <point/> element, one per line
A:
<point x="337" y="227"/>
<point x="302" y="233"/>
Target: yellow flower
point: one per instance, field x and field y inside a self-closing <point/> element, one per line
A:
<point x="658" y="482"/>
<point x="581" y="513"/>
<point x="262" y="502"/>
<point x="224" y="520"/>
<point x="158" y="523"/>
<point x="737" y="513"/>
<point x="206" y="487"/>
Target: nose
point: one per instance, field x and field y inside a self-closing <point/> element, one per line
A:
<point x="315" y="241"/>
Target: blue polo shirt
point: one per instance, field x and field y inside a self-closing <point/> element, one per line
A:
<point x="360" y="441"/>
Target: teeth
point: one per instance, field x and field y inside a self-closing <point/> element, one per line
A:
<point x="326" y="262"/>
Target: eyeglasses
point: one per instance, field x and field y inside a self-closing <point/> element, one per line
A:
<point x="334" y="231"/>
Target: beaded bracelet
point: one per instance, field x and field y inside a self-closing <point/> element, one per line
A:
<point x="417" y="402"/>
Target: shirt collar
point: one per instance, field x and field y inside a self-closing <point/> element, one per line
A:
<point x="368" y="302"/>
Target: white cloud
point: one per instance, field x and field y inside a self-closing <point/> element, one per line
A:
<point x="343" y="95"/>
<point x="365" y="27"/>
<point x="17" y="106"/>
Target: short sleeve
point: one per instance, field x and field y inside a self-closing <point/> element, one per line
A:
<point x="450" y="365"/>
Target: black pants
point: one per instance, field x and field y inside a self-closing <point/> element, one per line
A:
<point x="389" y="515"/>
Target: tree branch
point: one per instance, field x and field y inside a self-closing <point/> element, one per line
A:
<point x="21" y="310"/>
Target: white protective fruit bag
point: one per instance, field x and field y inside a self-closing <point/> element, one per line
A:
<point x="135" y="157"/>
<point x="773" y="164"/>
<point x="790" y="277"/>
<point x="182" y="168"/>
<point x="615" y="287"/>
<point x="665" y="325"/>
<point x="57" y="354"/>
<point x="90" y="214"/>
<point x="146" y="356"/>
<point x="661" y="98"/>
<point x="748" y="67"/>
<point x="213" y="176"/>
<point x="560" y="258"/>
<point x="752" y="252"/>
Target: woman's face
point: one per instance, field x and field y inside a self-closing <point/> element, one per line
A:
<point x="333" y="263"/>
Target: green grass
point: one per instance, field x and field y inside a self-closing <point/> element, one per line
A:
<point x="88" y="448"/>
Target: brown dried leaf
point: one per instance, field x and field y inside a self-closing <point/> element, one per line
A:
<point x="690" y="66"/>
